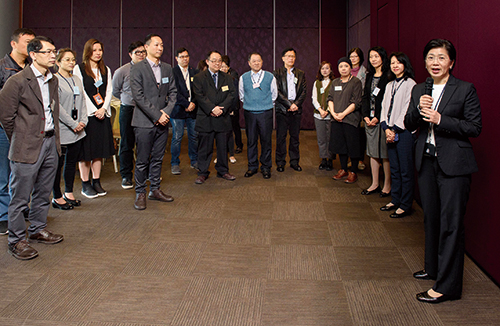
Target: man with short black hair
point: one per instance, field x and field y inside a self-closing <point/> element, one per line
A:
<point x="29" y="115"/>
<point x="154" y="92"/>
<point x="122" y="91"/>
<point x="291" y="95"/>
<point x="10" y="65"/>
<point x="184" y="112"/>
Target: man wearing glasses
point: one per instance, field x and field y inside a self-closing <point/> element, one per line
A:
<point x="214" y="93"/>
<point x="184" y="112"/>
<point x="122" y="91"/>
<point x="29" y="116"/>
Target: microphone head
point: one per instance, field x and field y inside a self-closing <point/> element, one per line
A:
<point x="429" y="82"/>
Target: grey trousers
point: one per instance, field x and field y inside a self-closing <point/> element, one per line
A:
<point x="323" y="134"/>
<point x="35" y="181"/>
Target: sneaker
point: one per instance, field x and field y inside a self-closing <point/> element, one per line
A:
<point x="127" y="183"/>
<point x="96" y="183"/>
<point x="176" y="169"/>
<point x="88" y="191"/>
<point x="4" y="227"/>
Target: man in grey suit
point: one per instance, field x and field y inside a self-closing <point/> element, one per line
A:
<point x="154" y="92"/>
<point x="29" y="116"/>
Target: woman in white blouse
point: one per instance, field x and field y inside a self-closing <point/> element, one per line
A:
<point x="322" y="118"/>
<point x="98" y="144"/>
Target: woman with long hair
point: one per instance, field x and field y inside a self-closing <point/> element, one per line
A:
<point x="98" y="144"/>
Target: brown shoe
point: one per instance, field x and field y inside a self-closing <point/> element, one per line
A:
<point x="140" y="201"/>
<point x="47" y="237"/>
<point x="157" y="194"/>
<point x="200" y="180"/>
<point x="341" y="174"/>
<point x="353" y="177"/>
<point x="22" y="250"/>
<point x="227" y="176"/>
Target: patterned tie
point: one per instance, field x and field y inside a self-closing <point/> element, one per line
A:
<point x="215" y="79"/>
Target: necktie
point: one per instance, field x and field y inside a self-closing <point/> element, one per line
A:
<point x="215" y="79"/>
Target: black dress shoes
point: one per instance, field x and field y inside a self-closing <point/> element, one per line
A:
<point x="367" y="192"/>
<point x="74" y="202"/>
<point x="296" y="167"/>
<point x="388" y="208"/>
<point x="422" y="275"/>
<point x="399" y="215"/>
<point x="280" y="168"/>
<point x="250" y="173"/>
<point x="425" y="297"/>
<point x="324" y="164"/>
<point x="66" y="206"/>
<point x="384" y="194"/>
<point x="266" y="174"/>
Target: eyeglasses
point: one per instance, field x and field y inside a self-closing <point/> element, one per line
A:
<point x="139" y="52"/>
<point x="69" y="60"/>
<point x="440" y="59"/>
<point x="183" y="57"/>
<point x="53" y="51"/>
<point x="289" y="56"/>
<point x="215" y="61"/>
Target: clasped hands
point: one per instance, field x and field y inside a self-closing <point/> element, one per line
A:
<point x="100" y="113"/>
<point x="426" y="111"/>
<point x="79" y="128"/>
<point x="217" y="111"/>
<point x="293" y="108"/>
<point x="390" y="136"/>
<point x="190" y="107"/>
<point x="371" y="123"/>
<point x="164" y="119"/>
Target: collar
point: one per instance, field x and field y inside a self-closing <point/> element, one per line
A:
<point x="255" y="73"/>
<point x="38" y="74"/>
<point x="212" y="73"/>
<point x="152" y="64"/>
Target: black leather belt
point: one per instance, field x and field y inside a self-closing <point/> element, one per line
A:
<point x="49" y="133"/>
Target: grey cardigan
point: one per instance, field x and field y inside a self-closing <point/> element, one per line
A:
<point x="66" y="122"/>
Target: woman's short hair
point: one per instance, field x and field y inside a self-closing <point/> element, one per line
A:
<point x="360" y="54"/>
<point x="61" y="52"/>
<point x="442" y="43"/>
<point x="402" y="58"/>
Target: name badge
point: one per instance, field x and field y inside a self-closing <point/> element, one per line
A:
<point x="376" y="91"/>
<point x="192" y="79"/>
<point x="256" y="85"/>
<point x="164" y="80"/>
<point x="338" y="88"/>
<point x="295" y="80"/>
<point x="98" y="83"/>
<point x="225" y="88"/>
<point x="98" y="99"/>
<point x="76" y="90"/>
<point x="322" y="90"/>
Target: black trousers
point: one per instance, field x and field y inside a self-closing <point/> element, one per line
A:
<point x="287" y="123"/>
<point x="444" y="199"/>
<point x="206" y="149"/>
<point x="235" y="122"/>
<point x="70" y="155"/>
<point x="127" y="141"/>
<point x="259" y="125"/>
<point x="151" y="144"/>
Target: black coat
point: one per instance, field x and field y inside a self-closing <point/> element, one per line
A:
<point x="282" y="103"/>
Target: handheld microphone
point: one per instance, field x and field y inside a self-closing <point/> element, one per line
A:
<point x="429" y="82"/>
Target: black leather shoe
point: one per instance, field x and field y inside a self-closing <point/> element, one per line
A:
<point x="384" y="194"/>
<point x="238" y="150"/>
<point x="65" y="207"/>
<point x="266" y="174"/>
<point x="250" y="173"/>
<point x="280" y="168"/>
<point x="388" y="208"/>
<point x="422" y="275"/>
<point x="74" y="202"/>
<point x="323" y="165"/>
<point x="367" y="192"/>
<point x="425" y="297"/>
<point x="296" y="167"/>
<point x="399" y="215"/>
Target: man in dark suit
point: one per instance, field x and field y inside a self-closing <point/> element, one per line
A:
<point x="154" y="92"/>
<point x="214" y="93"/>
<point x="29" y="116"/>
<point x="291" y="94"/>
<point x="184" y="112"/>
<point x="445" y="161"/>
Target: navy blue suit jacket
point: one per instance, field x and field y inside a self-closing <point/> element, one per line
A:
<point x="182" y="103"/>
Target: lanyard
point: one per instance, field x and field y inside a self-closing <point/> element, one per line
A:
<point x="393" y="94"/>
<point x="259" y="80"/>
<point x="430" y="135"/>
<point x="74" y="85"/>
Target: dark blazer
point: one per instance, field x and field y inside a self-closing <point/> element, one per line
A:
<point x="148" y="96"/>
<point x="365" y="101"/>
<point x="23" y="117"/>
<point x="460" y="119"/>
<point x="182" y="103"/>
<point x="207" y="97"/>
<point x="282" y="103"/>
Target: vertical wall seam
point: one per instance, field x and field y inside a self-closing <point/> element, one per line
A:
<point x="121" y="33"/>
<point x="173" y="31"/>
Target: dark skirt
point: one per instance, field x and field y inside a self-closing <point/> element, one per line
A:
<point x="99" y="140"/>
<point x="344" y="139"/>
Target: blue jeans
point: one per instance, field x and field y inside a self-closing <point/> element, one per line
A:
<point x="177" y="134"/>
<point x="4" y="175"/>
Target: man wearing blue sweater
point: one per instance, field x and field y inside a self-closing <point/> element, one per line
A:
<point x="258" y="91"/>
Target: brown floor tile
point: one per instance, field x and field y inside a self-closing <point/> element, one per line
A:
<point x="293" y="262"/>
<point x="406" y="234"/>
<point x="248" y="208"/>
<point x="222" y="260"/>
<point x="297" y="194"/>
<point x="298" y="211"/>
<point x="347" y="194"/>
<point x="247" y="231"/>
<point x="182" y="230"/>
<point x="304" y="233"/>
<point x="296" y="180"/>
<point x="297" y="303"/>
<point x="364" y="263"/>
<point x="359" y="234"/>
<point x="349" y="212"/>
<point x="155" y="299"/>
